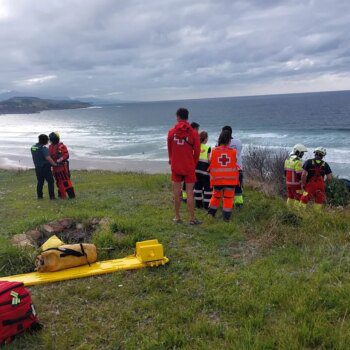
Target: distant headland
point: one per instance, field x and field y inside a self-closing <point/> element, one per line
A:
<point x="25" y="105"/>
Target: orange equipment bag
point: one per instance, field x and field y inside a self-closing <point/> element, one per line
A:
<point x="65" y="257"/>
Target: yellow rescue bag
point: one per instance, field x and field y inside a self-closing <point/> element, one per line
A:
<point x="52" y="242"/>
<point x="65" y="257"/>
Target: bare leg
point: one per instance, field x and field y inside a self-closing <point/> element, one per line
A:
<point x="177" y="188"/>
<point x="190" y="200"/>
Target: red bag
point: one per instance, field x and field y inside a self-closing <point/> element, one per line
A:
<point x="17" y="312"/>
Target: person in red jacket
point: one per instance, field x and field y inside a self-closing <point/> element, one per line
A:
<point x="59" y="152"/>
<point x="183" y="150"/>
<point x="57" y="149"/>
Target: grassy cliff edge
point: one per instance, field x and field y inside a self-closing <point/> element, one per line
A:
<point x="270" y="279"/>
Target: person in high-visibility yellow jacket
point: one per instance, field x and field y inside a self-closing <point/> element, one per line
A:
<point x="202" y="189"/>
<point x="293" y="167"/>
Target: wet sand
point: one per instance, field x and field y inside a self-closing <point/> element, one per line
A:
<point x="146" y="166"/>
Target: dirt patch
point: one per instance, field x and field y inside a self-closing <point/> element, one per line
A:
<point x="68" y="230"/>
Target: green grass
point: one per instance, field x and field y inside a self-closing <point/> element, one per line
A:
<point x="270" y="279"/>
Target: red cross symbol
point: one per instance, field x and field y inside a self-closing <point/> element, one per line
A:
<point x="224" y="159"/>
<point x="180" y="142"/>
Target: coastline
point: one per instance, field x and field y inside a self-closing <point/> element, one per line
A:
<point x="12" y="162"/>
<point x="148" y="166"/>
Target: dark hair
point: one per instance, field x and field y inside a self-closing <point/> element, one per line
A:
<point x="224" y="138"/>
<point x="195" y="125"/>
<point x="54" y="138"/>
<point x="227" y="128"/>
<point x="203" y="136"/>
<point x="43" y="139"/>
<point x="182" y="113"/>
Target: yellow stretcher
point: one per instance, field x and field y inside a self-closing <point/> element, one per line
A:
<point x="148" y="254"/>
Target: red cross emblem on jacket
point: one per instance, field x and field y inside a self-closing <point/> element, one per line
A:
<point x="180" y="142"/>
<point x="224" y="160"/>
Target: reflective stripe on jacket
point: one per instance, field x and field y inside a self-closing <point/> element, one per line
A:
<point x="223" y="167"/>
<point x="293" y="168"/>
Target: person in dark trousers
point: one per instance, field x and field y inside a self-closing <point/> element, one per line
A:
<point x="202" y="189"/>
<point x="43" y="162"/>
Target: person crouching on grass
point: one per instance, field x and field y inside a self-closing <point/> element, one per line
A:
<point x="183" y="150"/>
<point x="224" y="176"/>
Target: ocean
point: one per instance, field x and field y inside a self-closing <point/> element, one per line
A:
<point x="137" y="131"/>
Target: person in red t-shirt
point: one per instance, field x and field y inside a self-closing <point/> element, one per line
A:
<point x="184" y="150"/>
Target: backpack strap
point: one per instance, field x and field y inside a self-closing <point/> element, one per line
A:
<point x="19" y="319"/>
<point x="68" y="251"/>
<point x="83" y="251"/>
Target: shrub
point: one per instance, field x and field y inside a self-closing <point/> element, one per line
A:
<point x="337" y="193"/>
<point x="266" y="166"/>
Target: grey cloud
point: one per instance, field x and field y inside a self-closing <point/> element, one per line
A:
<point x="150" y="50"/>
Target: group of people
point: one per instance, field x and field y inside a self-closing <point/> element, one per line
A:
<point x="209" y="175"/>
<point x="201" y="176"/>
<point x="52" y="162"/>
<point x="306" y="181"/>
<point x="204" y="177"/>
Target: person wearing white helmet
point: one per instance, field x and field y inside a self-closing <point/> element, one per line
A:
<point x="315" y="171"/>
<point x="293" y="168"/>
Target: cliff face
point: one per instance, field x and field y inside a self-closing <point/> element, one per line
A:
<point x="35" y="105"/>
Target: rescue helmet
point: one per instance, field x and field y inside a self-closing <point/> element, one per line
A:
<point x="54" y="137"/>
<point x="299" y="148"/>
<point x="321" y="151"/>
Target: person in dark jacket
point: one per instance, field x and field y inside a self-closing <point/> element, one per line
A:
<point x="43" y="162"/>
<point x="315" y="173"/>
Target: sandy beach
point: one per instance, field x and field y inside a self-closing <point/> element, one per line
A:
<point x="148" y="166"/>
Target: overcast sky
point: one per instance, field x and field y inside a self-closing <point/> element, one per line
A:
<point x="173" y="49"/>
